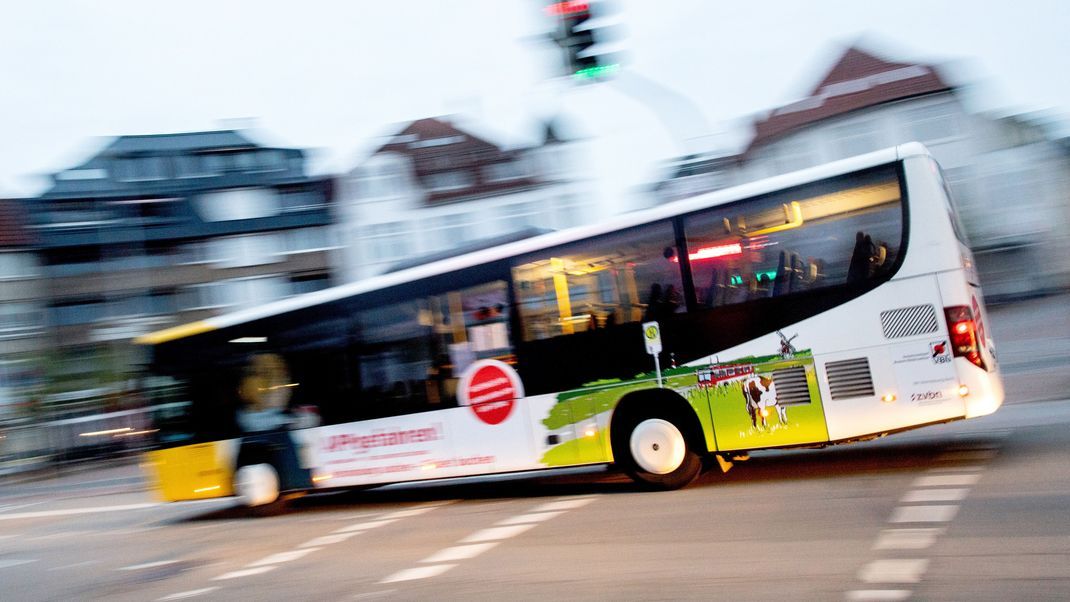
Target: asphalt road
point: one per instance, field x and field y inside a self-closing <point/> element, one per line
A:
<point x="974" y="510"/>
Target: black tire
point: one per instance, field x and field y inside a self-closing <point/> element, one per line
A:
<point x="656" y="453"/>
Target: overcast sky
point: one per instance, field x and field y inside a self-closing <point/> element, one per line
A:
<point x="332" y="75"/>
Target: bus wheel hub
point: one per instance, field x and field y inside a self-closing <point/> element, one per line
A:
<point x="657" y="446"/>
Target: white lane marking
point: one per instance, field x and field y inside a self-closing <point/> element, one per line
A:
<point x="962" y="468"/>
<point x="907" y="539"/>
<point x="147" y="565"/>
<point x="327" y="540"/>
<point x="365" y="526"/>
<point x="72" y="511"/>
<point x="420" y="572"/>
<point x="924" y="514"/>
<point x="260" y="570"/>
<point x="411" y="512"/>
<point x="568" y="504"/>
<point x="462" y="552"/>
<point x="900" y="570"/>
<point x="11" y="562"/>
<point x="375" y="594"/>
<point x="282" y="557"/>
<point x="494" y="533"/>
<point x="11" y="507"/>
<point x="534" y="517"/>
<point x="878" y="594"/>
<point x="75" y="565"/>
<point x="190" y="594"/>
<point x="935" y="495"/>
<point x="946" y="480"/>
<point x="967" y="456"/>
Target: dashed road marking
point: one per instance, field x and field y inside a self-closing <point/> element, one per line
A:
<point x="947" y="480"/>
<point x="7" y="563"/>
<point x="485" y="539"/>
<point x="568" y="504"/>
<point x="534" y="517"/>
<point x="907" y="539"/>
<point x="73" y="511"/>
<point x="147" y="565"/>
<point x="494" y="533"/>
<point x="366" y="526"/>
<point x="935" y="495"/>
<point x="862" y="595"/>
<point x="461" y="552"/>
<point x="900" y="570"/>
<point x="327" y="540"/>
<point x="420" y="572"/>
<point x="190" y="594"/>
<point x="282" y="557"/>
<point x="924" y="514"/>
<point x="260" y="570"/>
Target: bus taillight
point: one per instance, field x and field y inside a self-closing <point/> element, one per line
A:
<point x="963" y="331"/>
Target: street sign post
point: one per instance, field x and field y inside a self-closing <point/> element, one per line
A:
<point x="652" y="340"/>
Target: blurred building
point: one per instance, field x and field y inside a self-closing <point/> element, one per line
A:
<point x="695" y="174"/>
<point x="22" y="333"/>
<point x="434" y="188"/>
<point x="156" y="230"/>
<point x="1008" y="177"/>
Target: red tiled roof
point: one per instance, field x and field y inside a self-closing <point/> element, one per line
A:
<point x="13" y="222"/>
<point x="857" y="81"/>
<point x="465" y="153"/>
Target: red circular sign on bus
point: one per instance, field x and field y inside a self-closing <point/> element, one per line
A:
<point x="491" y="389"/>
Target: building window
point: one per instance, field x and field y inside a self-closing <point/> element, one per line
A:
<point x="70" y="313"/>
<point x="237" y="292"/>
<point x="247" y="250"/>
<point x="143" y="168"/>
<point x="931" y="124"/>
<point x="19" y="319"/>
<point x="519" y="216"/>
<point x="301" y="200"/>
<point x="857" y="139"/>
<point x="303" y="240"/>
<point x="503" y="172"/>
<point x="17" y="265"/>
<point x="386" y="241"/>
<point x="448" y="180"/>
<point x="454" y="230"/>
<point x="238" y="203"/>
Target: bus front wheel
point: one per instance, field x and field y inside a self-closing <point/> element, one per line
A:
<point x="658" y="455"/>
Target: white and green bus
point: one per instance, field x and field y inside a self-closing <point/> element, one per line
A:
<point x="830" y="305"/>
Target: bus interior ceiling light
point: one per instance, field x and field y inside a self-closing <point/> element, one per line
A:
<point x="249" y="340"/>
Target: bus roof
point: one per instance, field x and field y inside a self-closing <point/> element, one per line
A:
<point x="527" y="245"/>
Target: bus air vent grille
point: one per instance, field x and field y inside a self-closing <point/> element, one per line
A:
<point x="791" y="386"/>
<point x="909" y="321"/>
<point x="849" y="378"/>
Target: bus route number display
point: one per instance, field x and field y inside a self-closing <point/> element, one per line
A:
<point x="652" y="337"/>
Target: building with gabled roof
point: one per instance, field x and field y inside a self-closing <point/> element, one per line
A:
<point x="168" y="228"/>
<point x="433" y="187"/>
<point x="995" y="168"/>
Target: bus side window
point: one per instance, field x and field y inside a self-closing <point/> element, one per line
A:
<point x="617" y="279"/>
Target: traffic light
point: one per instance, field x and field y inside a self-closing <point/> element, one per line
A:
<point x="575" y="34"/>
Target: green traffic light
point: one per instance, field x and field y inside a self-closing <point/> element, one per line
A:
<point x="596" y="72"/>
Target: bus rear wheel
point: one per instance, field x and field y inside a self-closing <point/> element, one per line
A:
<point x="257" y="488"/>
<point x="657" y="455"/>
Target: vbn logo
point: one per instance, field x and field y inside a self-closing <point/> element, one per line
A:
<point x="940" y="352"/>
